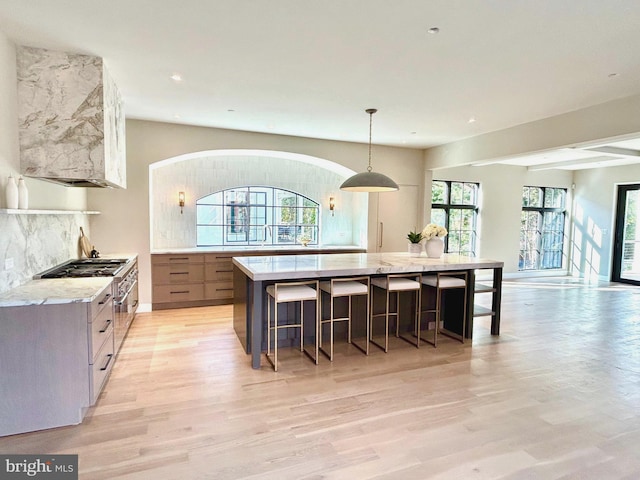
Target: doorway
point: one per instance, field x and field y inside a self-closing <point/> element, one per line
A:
<point x="626" y="251"/>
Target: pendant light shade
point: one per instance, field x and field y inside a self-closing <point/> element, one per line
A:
<point x="369" y="181"/>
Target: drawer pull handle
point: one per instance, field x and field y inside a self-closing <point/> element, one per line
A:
<point x="106" y="365"/>
<point x="178" y="273"/>
<point x="180" y="291"/>
<point x="104" y="300"/>
<point x="106" y="326"/>
<point x="179" y="258"/>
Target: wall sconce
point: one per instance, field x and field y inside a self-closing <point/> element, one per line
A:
<point x="181" y="201"/>
<point x="332" y="205"/>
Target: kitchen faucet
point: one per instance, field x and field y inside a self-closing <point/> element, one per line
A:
<point x="264" y="236"/>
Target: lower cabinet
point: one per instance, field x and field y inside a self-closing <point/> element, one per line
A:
<point x="54" y="362"/>
<point x="198" y="279"/>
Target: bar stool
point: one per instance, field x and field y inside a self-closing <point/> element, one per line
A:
<point x="446" y="281"/>
<point x="287" y="293"/>
<point x="339" y="288"/>
<point x="395" y="283"/>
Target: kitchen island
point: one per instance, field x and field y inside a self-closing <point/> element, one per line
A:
<point x="253" y="274"/>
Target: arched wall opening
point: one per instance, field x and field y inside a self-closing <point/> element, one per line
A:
<point x="201" y="173"/>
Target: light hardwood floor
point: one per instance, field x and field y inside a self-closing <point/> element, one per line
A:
<point x="556" y="396"/>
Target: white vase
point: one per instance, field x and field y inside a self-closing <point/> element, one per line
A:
<point x="415" y="249"/>
<point x="11" y="192"/>
<point x="434" y="247"/>
<point x="23" y="194"/>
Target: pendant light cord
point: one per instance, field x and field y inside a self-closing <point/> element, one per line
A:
<point x="370" y="111"/>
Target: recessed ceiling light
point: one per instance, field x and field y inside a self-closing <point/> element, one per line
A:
<point x="230" y="110"/>
<point x="611" y="75"/>
<point x="176" y="77"/>
<point x="177" y="116"/>
<point x="433" y="30"/>
<point x="472" y="120"/>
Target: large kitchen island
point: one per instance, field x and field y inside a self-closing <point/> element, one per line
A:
<point x="253" y="274"/>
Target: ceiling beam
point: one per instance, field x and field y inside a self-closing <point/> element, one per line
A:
<point x="617" y="151"/>
<point x="569" y="163"/>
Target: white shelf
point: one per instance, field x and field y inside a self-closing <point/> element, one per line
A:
<point x="16" y="211"/>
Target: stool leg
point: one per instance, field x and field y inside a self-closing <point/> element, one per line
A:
<point x="268" y="326"/>
<point x="331" y="329"/>
<point x="302" y="326"/>
<point x="386" y="325"/>
<point x="349" y="321"/>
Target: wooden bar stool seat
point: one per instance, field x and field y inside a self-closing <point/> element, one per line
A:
<point x="339" y="288"/>
<point x="395" y="283"/>
<point x="287" y="293"/>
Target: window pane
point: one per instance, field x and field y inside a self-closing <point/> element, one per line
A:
<point x="535" y="197"/>
<point x="209" y="235"/>
<point x="470" y="193"/>
<point x="454" y="242"/>
<point x="209" y="214"/>
<point x="455" y="219"/>
<point x="456" y="193"/>
<point x="439" y="216"/>
<point x="439" y="192"/>
<point x="309" y="216"/>
<point x="468" y="219"/>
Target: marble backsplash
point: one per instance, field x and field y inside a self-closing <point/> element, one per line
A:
<point x="35" y="243"/>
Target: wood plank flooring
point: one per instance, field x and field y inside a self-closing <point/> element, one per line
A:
<point x="556" y="396"/>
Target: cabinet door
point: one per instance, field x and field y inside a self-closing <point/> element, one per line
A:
<point x="397" y="215"/>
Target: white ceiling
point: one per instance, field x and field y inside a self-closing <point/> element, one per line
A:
<point x="310" y="68"/>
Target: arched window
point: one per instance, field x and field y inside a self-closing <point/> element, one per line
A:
<point x="256" y="216"/>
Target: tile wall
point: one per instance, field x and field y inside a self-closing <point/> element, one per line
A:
<point x="200" y="176"/>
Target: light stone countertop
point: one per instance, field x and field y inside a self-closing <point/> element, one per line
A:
<point x="288" y="267"/>
<point x="54" y="291"/>
<point x="250" y="248"/>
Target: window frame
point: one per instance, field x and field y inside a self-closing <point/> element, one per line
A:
<point x="525" y="255"/>
<point x="261" y="223"/>
<point x="450" y="207"/>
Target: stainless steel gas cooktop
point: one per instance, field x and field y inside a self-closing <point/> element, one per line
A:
<point x="86" y="267"/>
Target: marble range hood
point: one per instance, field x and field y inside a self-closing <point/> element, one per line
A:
<point x="71" y="121"/>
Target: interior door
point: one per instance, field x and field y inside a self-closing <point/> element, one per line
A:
<point x="397" y="215"/>
<point x="626" y="252"/>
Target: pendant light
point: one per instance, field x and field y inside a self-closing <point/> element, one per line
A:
<point x="369" y="181"/>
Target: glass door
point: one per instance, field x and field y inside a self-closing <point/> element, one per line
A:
<point x="626" y="252"/>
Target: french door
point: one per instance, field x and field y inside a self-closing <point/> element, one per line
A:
<point x="626" y="251"/>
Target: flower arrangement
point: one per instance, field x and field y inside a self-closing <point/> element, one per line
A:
<point x="432" y="231"/>
<point x="304" y="239"/>
<point x="414" y="237"/>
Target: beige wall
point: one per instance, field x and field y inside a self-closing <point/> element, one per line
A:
<point x="123" y="225"/>
<point x="501" y="204"/>
<point x="594" y="217"/>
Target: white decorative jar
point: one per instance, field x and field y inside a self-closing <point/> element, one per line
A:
<point x="434" y="247"/>
<point x="415" y="249"/>
<point x="23" y="194"/>
<point x="11" y="192"/>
